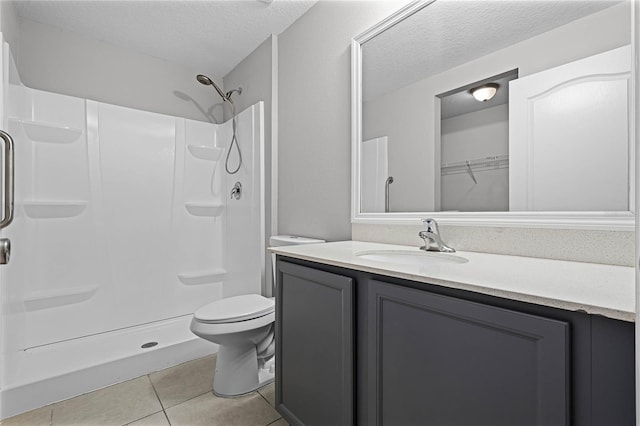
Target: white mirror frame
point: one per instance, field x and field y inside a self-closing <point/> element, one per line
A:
<point x="612" y="221"/>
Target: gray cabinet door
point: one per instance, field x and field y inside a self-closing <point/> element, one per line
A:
<point x="438" y="360"/>
<point x="314" y="346"/>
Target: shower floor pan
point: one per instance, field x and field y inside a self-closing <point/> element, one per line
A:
<point x="51" y="373"/>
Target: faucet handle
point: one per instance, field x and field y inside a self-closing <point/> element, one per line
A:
<point x="431" y="225"/>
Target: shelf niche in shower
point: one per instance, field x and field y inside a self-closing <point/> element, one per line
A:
<point x="202" y="277"/>
<point x="37" y="301"/>
<point x="205" y="152"/>
<point x="39" y="131"/>
<point x="53" y="209"/>
<point x="204" y="209"/>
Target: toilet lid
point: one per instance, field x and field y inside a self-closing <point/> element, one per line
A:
<point x="237" y="308"/>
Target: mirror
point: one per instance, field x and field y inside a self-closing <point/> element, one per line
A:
<point x="554" y="144"/>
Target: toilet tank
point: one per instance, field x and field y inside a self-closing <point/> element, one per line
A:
<point x="291" y="240"/>
<point x="287" y="240"/>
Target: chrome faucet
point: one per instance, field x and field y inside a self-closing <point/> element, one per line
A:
<point x="431" y="237"/>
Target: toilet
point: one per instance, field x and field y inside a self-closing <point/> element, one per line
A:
<point x="243" y="328"/>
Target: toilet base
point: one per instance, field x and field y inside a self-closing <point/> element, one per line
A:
<point x="266" y="371"/>
<point x="239" y="371"/>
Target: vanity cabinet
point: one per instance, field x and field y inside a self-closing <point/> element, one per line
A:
<point x="360" y="348"/>
<point x="456" y="362"/>
<point x="315" y="348"/>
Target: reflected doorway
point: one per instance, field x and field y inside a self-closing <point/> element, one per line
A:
<point x="473" y="135"/>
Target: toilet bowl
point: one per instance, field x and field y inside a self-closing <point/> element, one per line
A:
<point x="243" y="328"/>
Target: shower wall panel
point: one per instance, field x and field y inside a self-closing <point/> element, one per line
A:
<point x="122" y="218"/>
<point x="245" y="216"/>
<point x="137" y="156"/>
<point x="374" y="171"/>
<point x="200" y="212"/>
<point x="56" y="258"/>
<point x="121" y="229"/>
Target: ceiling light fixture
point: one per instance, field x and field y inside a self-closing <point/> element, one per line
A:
<point x="485" y="92"/>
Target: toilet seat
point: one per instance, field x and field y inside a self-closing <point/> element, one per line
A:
<point x="201" y="328"/>
<point x="235" y="309"/>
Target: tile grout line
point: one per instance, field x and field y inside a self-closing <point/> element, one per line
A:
<point x="272" y="406"/>
<point x="155" y="391"/>
<point x="265" y="398"/>
<point x="276" y="420"/>
<point x="166" y="417"/>
<point x="187" y="400"/>
<point x="141" y="418"/>
<point x="159" y="400"/>
<point x="164" y="410"/>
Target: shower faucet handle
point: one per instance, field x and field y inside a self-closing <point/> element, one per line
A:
<point x="5" y="250"/>
<point x="236" y="191"/>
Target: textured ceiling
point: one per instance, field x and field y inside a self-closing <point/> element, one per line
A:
<point x="210" y="36"/>
<point x="448" y="33"/>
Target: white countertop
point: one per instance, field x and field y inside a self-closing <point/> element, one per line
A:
<point x="594" y="288"/>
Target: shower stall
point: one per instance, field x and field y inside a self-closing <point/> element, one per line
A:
<point x="124" y="225"/>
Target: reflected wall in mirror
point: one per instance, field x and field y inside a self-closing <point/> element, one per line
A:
<point x="555" y="138"/>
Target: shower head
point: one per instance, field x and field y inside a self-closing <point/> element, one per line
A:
<point x="203" y="79"/>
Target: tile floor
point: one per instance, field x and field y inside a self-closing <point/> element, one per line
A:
<point x="177" y="396"/>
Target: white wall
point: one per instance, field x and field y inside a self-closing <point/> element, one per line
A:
<point x="314" y="122"/>
<point x="473" y="136"/>
<point x="68" y="63"/>
<point x="408" y="114"/>
<point x="402" y="116"/>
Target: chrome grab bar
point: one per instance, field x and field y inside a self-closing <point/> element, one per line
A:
<point x="386" y="193"/>
<point x="7" y="196"/>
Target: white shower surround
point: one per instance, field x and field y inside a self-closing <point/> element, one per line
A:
<point x="122" y="230"/>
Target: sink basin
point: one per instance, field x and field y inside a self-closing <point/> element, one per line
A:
<point x="411" y="257"/>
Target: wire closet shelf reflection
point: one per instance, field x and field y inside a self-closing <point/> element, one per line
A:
<point x="478" y="165"/>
